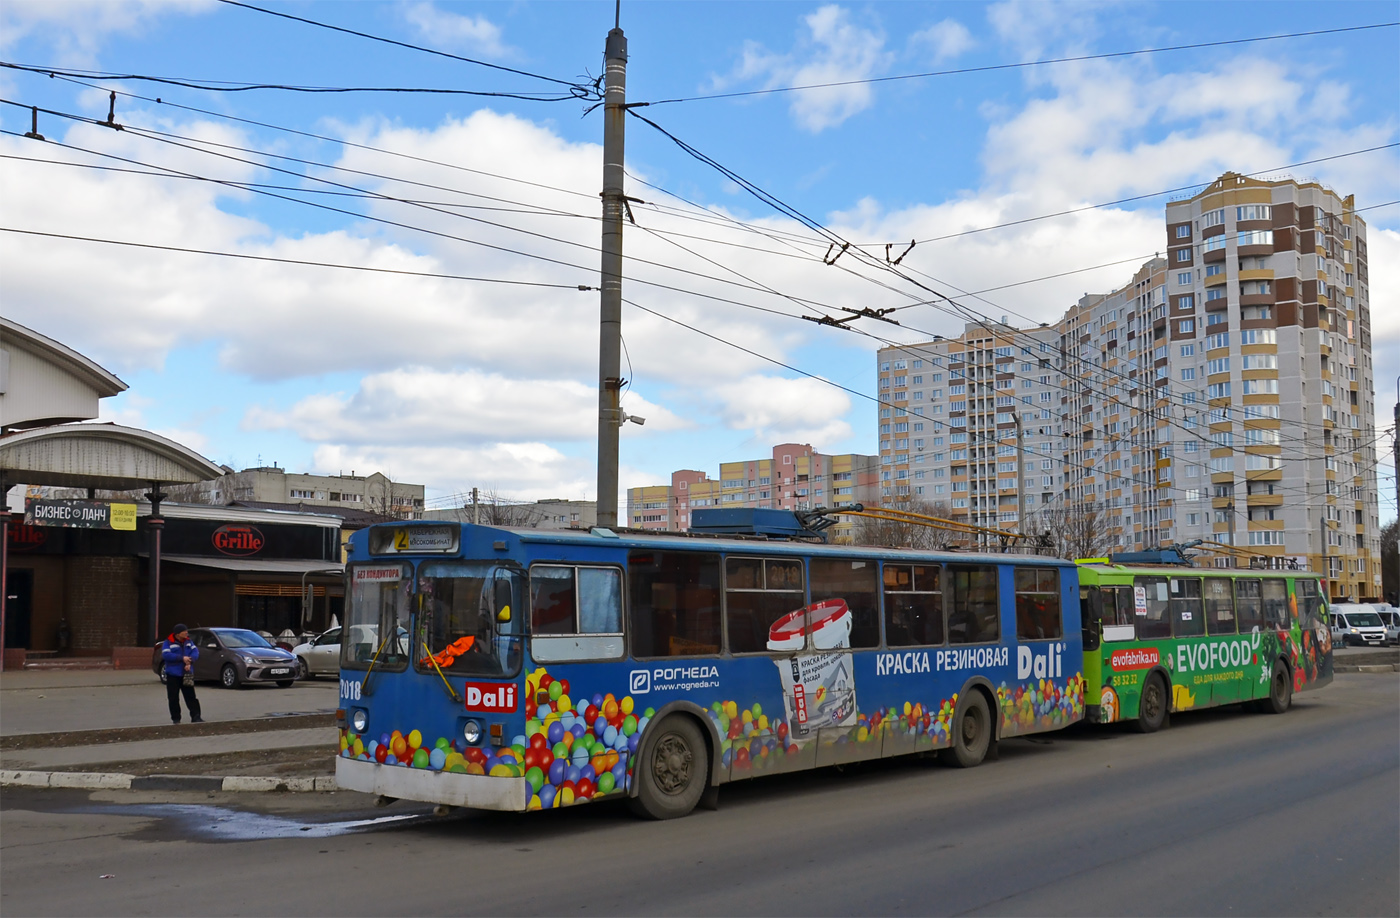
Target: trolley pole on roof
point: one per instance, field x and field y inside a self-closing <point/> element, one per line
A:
<point x="610" y="320"/>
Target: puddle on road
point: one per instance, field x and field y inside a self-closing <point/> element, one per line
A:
<point x="214" y="823"/>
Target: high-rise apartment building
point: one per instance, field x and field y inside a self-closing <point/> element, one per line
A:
<point x="972" y="424"/>
<point x="794" y="477"/>
<point x="1225" y="393"/>
<point x="1274" y="275"/>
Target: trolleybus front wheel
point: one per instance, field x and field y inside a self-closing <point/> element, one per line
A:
<point x="972" y="732"/>
<point x="673" y="770"/>
<point x="1152" y="706"/>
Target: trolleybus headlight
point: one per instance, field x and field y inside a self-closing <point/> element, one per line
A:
<point x="359" y="721"/>
<point x="471" y="732"/>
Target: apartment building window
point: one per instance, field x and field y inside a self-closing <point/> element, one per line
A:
<point x="1183" y="279"/>
<point x="1190" y="445"/>
<point x="1183" y="231"/>
<point x="1218" y="365"/>
<point x="1260" y="387"/>
<point x="1249" y="313"/>
<point x="1188" y="350"/>
<point x="1213" y="218"/>
<point x="1183" y="256"/>
<point x="901" y="381"/>
<point x="1256" y="288"/>
<point x="1222" y="464"/>
<point x="1188" y="373"/>
<point x="1186" y="326"/>
<point x="1217" y="318"/>
<point x="1256" y="237"/>
<point x="1253" y="212"/>
<point x="1215" y="293"/>
<point x="1213" y="244"/>
<point x="1259" y="362"/>
<point x="918" y="380"/>
<point x="1255" y="336"/>
<point x="899" y="364"/>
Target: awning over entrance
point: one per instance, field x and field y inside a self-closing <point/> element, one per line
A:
<point x="103" y="456"/>
<point x="259" y="565"/>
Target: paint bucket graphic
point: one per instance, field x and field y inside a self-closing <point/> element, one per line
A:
<point x="818" y="687"/>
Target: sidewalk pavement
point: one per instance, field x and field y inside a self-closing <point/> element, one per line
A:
<point x="60" y="702"/>
<point x="53" y="759"/>
<point x="52" y="721"/>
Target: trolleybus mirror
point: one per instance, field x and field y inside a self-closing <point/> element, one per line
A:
<point x="501" y="597"/>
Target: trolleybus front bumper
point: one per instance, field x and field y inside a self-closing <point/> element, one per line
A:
<point x="476" y="791"/>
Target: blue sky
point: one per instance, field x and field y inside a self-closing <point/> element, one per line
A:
<point x="458" y="384"/>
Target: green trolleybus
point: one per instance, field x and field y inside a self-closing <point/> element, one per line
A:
<point x="1169" y="637"/>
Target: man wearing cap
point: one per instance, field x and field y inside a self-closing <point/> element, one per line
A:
<point x="179" y="654"/>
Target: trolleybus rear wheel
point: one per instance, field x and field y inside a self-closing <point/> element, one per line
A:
<point x="972" y="732"/>
<point x="672" y="771"/>
<point x="1280" y="692"/>
<point x="1152" y="706"/>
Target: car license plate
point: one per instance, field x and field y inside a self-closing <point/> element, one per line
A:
<point x="279" y="672"/>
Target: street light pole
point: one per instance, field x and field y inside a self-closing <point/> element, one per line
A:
<point x="610" y="318"/>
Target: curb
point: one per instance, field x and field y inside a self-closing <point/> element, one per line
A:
<point x="113" y="781"/>
<point x="1367" y="668"/>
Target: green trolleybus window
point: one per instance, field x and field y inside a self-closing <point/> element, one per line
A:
<point x="1276" y="602"/>
<point x="1309" y="603"/>
<point x="1153" y="622"/>
<point x="1220" y="606"/>
<point x="1187" y="620"/>
<point x="675" y="603"/>
<point x="913" y="604"/>
<point x="1249" y="605"/>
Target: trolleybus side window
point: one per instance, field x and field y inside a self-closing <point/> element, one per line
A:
<point x="1248" y="605"/>
<point x="757" y="593"/>
<point x="1118" y="615"/>
<point x="575" y="612"/>
<point x="913" y="604"/>
<point x="675" y="601"/>
<point x="1156" y="623"/>
<point x="852" y="582"/>
<point x="1276" y="603"/>
<point x="974" y="613"/>
<point x="1309" y="602"/>
<point x="1220" y="606"/>
<point x="377" y="623"/>
<point x="1038" y="604"/>
<point x="1186" y="607"/>
<point x="467" y="621"/>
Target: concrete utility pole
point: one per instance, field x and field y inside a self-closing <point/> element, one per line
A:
<point x="476" y="507"/>
<point x="610" y="320"/>
<point x="1020" y="476"/>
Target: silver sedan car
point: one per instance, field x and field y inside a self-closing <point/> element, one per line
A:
<point x="319" y="656"/>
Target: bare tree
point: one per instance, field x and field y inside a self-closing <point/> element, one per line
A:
<point x="910" y="534"/>
<point x="1083" y="530"/>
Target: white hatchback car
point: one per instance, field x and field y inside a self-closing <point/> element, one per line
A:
<point x="319" y="656"/>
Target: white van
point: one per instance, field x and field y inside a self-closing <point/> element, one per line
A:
<point x="1357" y="625"/>
<point x="1390" y="617"/>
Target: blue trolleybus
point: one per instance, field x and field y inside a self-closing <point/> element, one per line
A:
<point x="529" y="669"/>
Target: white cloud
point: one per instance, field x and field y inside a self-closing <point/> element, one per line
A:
<point x="75" y="29"/>
<point x="830" y="49"/>
<point x="947" y="40"/>
<point x="473" y="33"/>
<point x="517" y="471"/>
<point x="417" y="405"/>
<point x="780" y="410"/>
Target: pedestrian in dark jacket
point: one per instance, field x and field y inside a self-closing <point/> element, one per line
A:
<point x="179" y="654"/>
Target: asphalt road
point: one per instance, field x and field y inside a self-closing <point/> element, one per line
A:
<point x="1225" y="813"/>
